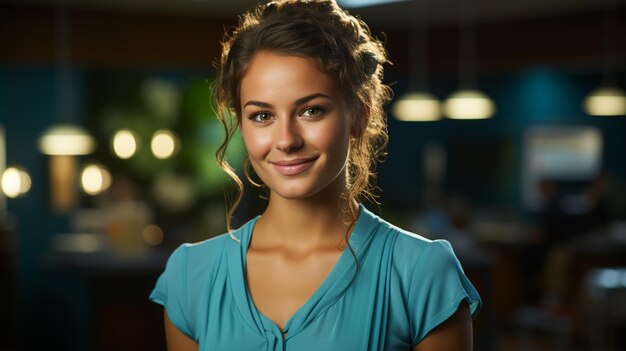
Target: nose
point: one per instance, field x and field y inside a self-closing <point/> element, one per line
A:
<point x="288" y="137"/>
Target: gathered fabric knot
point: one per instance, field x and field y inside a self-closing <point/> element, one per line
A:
<point x="275" y="342"/>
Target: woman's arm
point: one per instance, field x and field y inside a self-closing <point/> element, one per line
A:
<point x="455" y="334"/>
<point x="176" y="340"/>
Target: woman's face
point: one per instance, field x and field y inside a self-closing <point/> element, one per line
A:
<point x="295" y="125"/>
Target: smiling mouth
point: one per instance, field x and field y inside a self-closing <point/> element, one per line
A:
<point x="293" y="167"/>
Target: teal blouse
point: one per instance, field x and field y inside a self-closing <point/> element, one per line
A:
<point x="406" y="285"/>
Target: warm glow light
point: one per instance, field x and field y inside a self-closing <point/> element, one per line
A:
<point x="124" y="143"/>
<point x="95" y="179"/>
<point x="84" y="242"/>
<point x="420" y="106"/>
<point x="152" y="235"/>
<point x="15" y="182"/>
<point x="66" y="139"/>
<point x="164" y="144"/>
<point x="469" y="104"/>
<point x="606" y="101"/>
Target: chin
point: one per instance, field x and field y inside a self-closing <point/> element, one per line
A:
<point x="304" y="191"/>
<point x="294" y="193"/>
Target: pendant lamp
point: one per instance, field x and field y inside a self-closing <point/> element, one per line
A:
<point x="468" y="102"/>
<point x="609" y="99"/>
<point x="65" y="140"/>
<point x="606" y="101"/>
<point x="417" y="105"/>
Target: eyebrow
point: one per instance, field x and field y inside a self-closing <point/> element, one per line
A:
<point x="298" y="102"/>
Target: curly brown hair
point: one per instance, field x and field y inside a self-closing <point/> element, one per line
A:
<point x="344" y="48"/>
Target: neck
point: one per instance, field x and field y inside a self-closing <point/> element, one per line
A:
<point x="320" y="220"/>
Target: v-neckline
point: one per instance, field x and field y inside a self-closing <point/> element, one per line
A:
<point x="329" y="291"/>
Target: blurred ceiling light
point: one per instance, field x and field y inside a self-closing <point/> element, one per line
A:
<point x="66" y="139"/>
<point x="469" y="104"/>
<point x="152" y="235"/>
<point x="364" y="3"/>
<point x="124" y="143"/>
<point x="164" y="144"/>
<point x="15" y="182"/>
<point x="95" y="179"/>
<point x="606" y="101"/>
<point x="417" y="106"/>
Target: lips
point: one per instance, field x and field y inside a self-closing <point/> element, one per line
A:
<point x="293" y="167"/>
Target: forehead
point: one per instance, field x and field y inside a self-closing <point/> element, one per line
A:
<point x="276" y="78"/>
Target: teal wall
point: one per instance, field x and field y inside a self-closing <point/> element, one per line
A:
<point x="52" y="306"/>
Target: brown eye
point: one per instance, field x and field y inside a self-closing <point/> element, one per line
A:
<point x="312" y="112"/>
<point x="260" y="117"/>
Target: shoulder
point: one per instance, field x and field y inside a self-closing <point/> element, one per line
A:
<point x="431" y="280"/>
<point x="193" y="259"/>
<point x="416" y="252"/>
<point x="203" y="251"/>
<point x="180" y="287"/>
<point x="407" y="246"/>
<point x="200" y="251"/>
<point x="412" y="253"/>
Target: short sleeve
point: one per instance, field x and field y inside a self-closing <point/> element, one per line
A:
<point x="171" y="290"/>
<point x="438" y="285"/>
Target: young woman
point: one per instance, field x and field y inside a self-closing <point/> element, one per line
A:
<point x="302" y="81"/>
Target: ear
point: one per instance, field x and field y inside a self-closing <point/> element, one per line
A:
<point x="360" y="122"/>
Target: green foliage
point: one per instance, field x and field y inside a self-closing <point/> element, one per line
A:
<point x="144" y="105"/>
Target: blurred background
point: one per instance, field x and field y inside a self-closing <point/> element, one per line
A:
<point x="507" y="137"/>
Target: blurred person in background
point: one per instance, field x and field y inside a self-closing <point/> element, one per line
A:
<point x="561" y="220"/>
<point x="302" y="81"/>
<point x="596" y="216"/>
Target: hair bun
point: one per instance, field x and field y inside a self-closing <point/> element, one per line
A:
<point x="270" y="7"/>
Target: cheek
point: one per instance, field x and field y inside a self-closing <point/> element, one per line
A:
<point x="257" y="142"/>
<point x="333" y="137"/>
